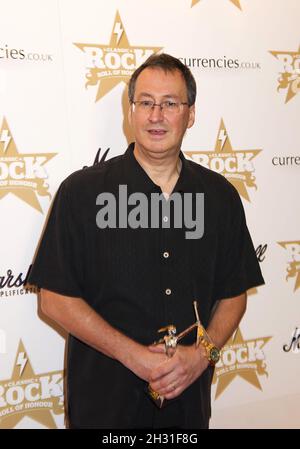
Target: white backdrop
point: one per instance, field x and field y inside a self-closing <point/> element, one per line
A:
<point x="63" y="72"/>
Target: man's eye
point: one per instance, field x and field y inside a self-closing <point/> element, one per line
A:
<point x="170" y="104"/>
<point x="146" y="103"/>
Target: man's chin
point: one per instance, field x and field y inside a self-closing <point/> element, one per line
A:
<point x="159" y="149"/>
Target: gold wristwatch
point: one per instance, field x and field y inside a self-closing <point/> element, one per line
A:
<point x="212" y="352"/>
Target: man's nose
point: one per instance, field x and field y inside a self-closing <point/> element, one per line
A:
<point x="156" y="113"/>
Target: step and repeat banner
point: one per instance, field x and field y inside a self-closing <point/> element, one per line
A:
<point x="64" y="68"/>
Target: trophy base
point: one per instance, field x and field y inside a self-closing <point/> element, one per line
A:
<point x="158" y="400"/>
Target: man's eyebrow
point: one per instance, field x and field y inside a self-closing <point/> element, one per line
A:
<point x="146" y="94"/>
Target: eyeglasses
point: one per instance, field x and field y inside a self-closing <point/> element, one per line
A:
<point x="170" y="107"/>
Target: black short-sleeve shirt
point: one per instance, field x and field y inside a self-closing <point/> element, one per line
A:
<point x="140" y="279"/>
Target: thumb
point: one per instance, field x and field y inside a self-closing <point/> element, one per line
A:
<point x="158" y="349"/>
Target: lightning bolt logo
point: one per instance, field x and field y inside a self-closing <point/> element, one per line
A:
<point x="22" y="360"/>
<point x="5" y="138"/>
<point x="222" y="137"/>
<point x="118" y="30"/>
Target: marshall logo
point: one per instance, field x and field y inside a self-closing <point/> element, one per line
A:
<point x="293" y="269"/>
<point x="290" y="76"/>
<point x="110" y="64"/>
<point x="294" y="344"/>
<point x="30" y="394"/>
<point x="235" y="2"/>
<point x="12" y="284"/>
<point x="236" y="165"/>
<point x="96" y="160"/>
<point x="22" y="174"/>
<point x="240" y="357"/>
<point x="260" y="253"/>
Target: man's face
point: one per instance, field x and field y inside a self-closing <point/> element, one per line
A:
<point x="157" y="131"/>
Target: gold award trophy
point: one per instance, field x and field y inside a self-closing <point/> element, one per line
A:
<point x="170" y="341"/>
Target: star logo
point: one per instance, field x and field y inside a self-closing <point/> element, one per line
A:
<point x="293" y="269"/>
<point x="235" y="2"/>
<point x="22" y="174"/>
<point x="236" y="165"/>
<point x="290" y="77"/>
<point x="109" y="65"/>
<point x="240" y="357"/>
<point x="30" y="394"/>
<point x="252" y="291"/>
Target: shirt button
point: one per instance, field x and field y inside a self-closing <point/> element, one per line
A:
<point x="166" y="254"/>
<point x="166" y="219"/>
<point x="168" y="291"/>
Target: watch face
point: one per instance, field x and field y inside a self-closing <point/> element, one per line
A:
<point x="214" y="355"/>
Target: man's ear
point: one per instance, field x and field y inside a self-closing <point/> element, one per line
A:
<point x="191" y="116"/>
<point x="130" y="115"/>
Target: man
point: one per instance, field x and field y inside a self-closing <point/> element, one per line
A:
<point x="112" y="287"/>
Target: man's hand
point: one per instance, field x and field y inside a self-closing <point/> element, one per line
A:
<point x="177" y="373"/>
<point x="145" y="362"/>
<point x="80" y="320"/>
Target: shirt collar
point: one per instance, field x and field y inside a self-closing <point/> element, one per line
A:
<point x="139" y="181"/>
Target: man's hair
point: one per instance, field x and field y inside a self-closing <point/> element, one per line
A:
<point x="169" y="64"/>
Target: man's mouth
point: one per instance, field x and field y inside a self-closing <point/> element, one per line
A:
<point x="157" y="132"/>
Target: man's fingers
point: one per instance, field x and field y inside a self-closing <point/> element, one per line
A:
<point x="173" y="388"/>
<point x="159" y="349"/>
<point x="161" y="371"/>
<point x="166" y="384"/>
